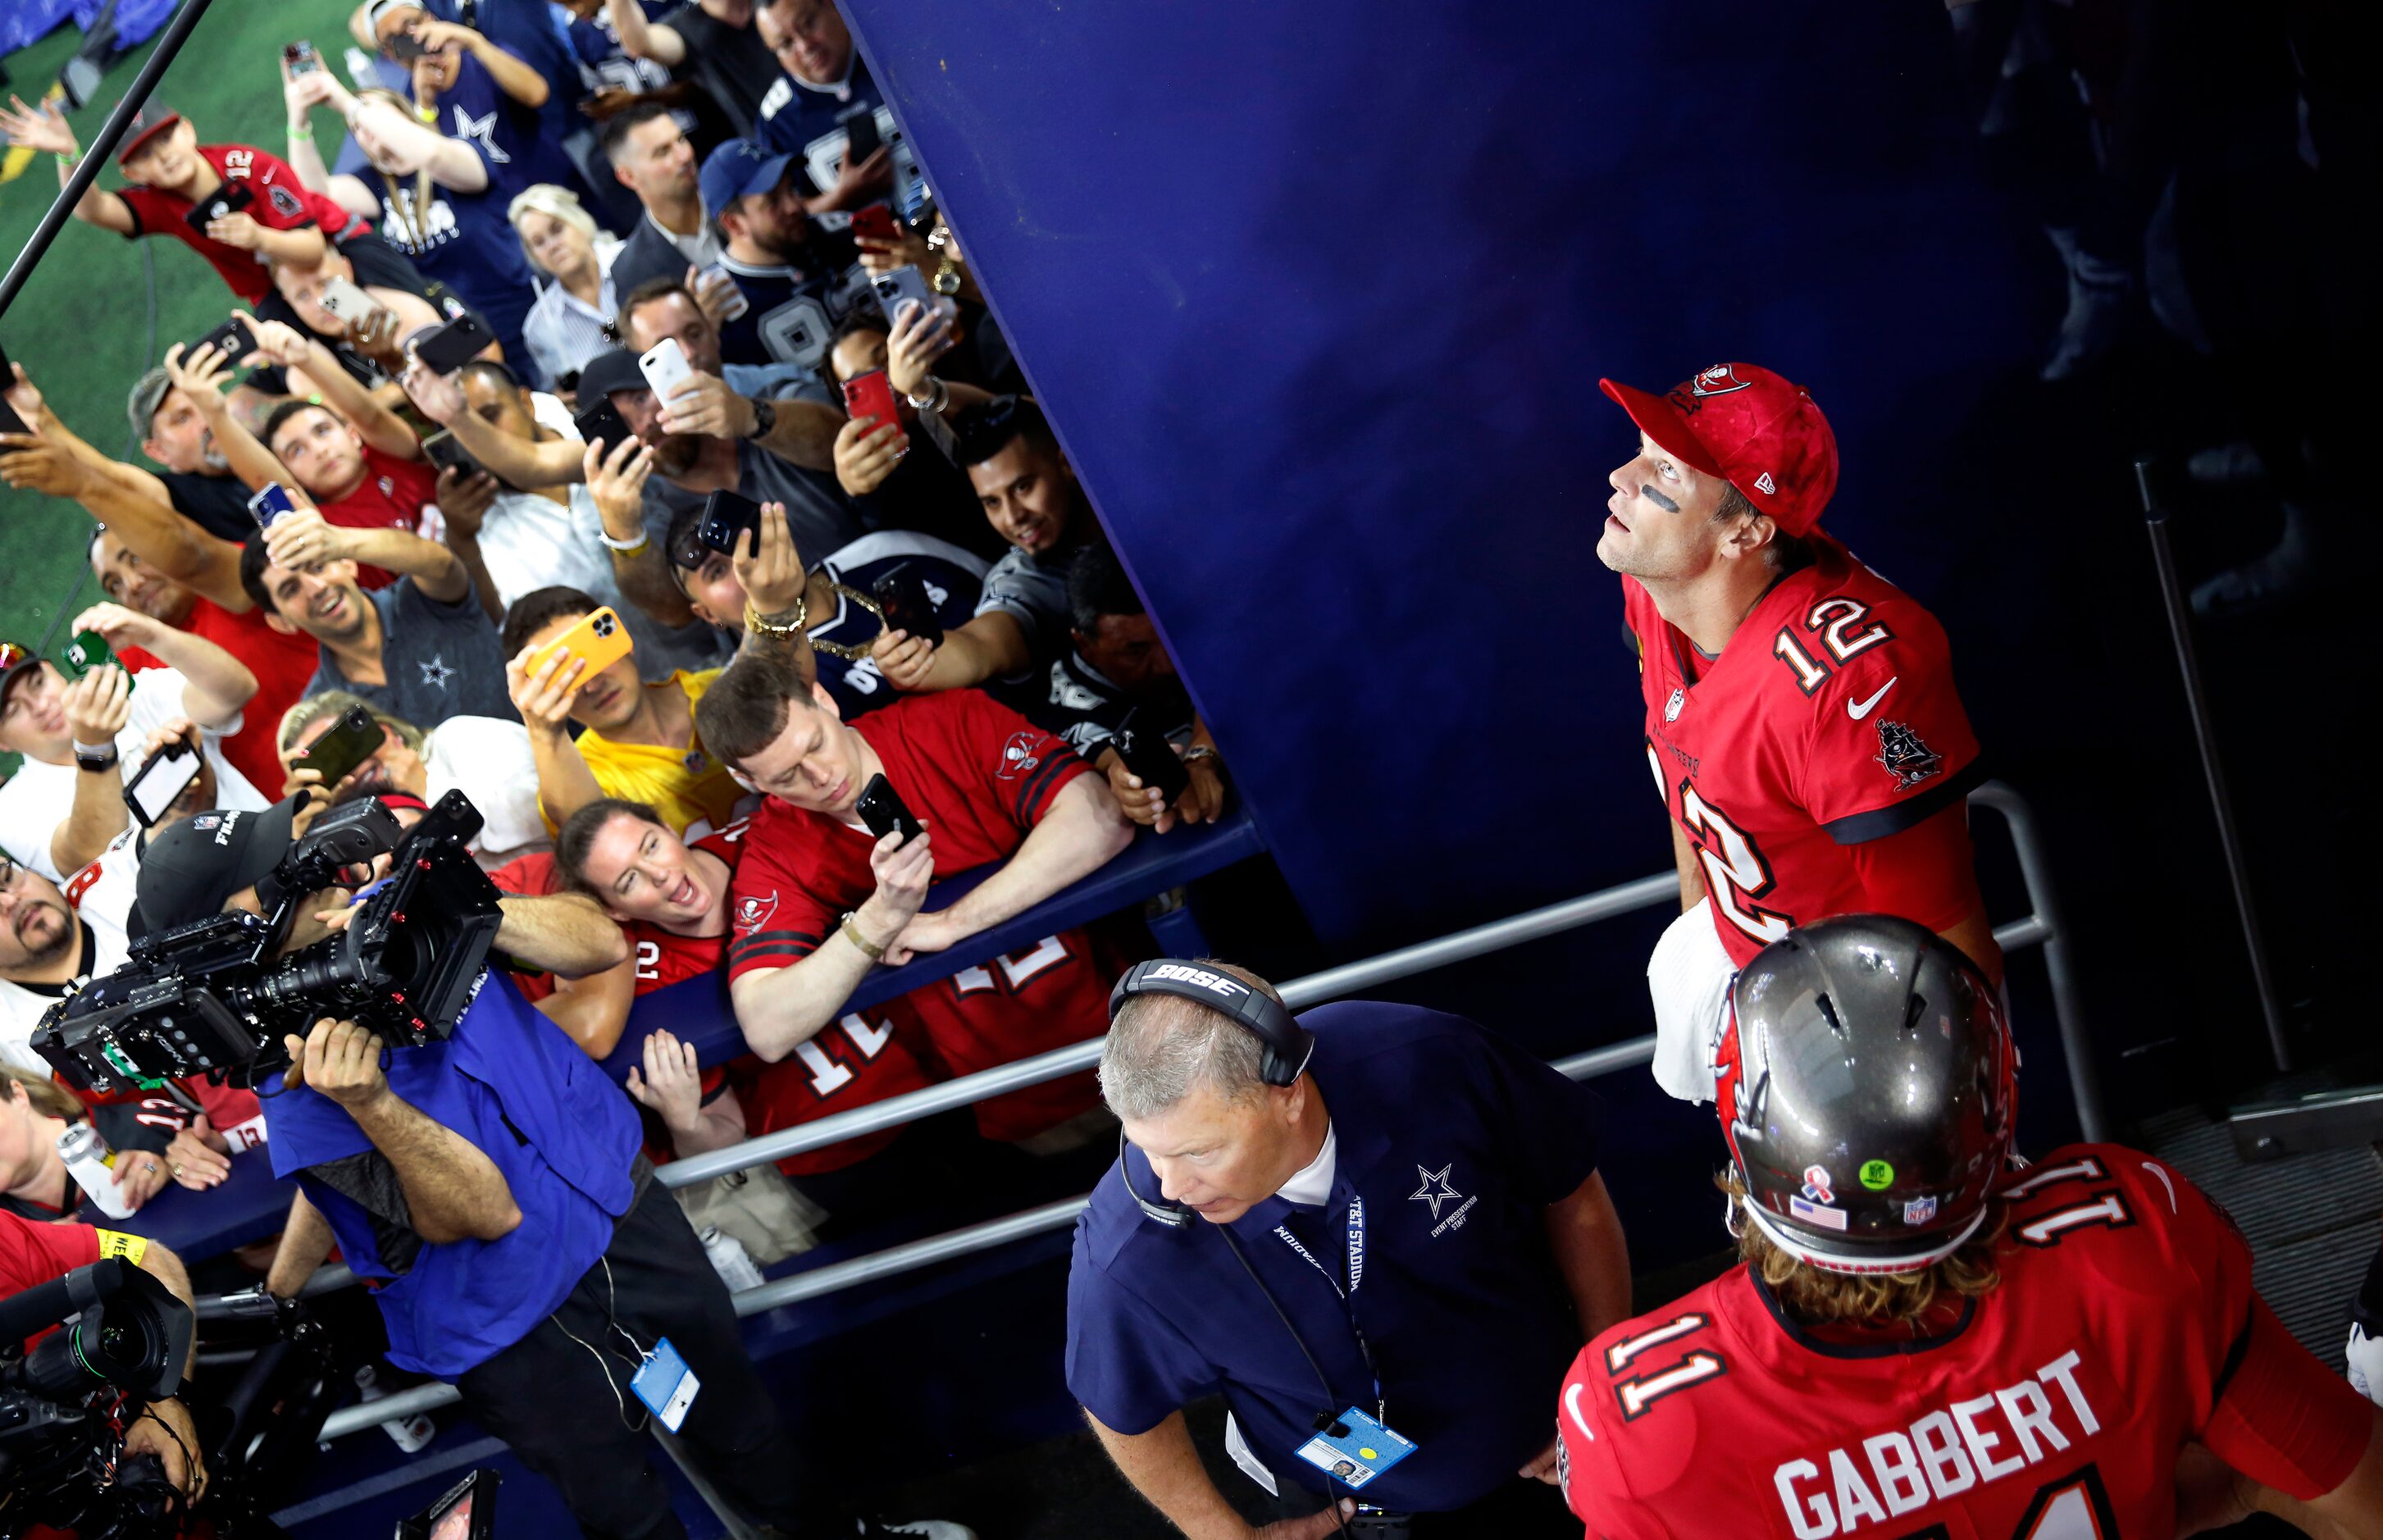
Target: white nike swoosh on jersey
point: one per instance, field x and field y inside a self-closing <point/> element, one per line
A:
<point x="1857" y="710"/>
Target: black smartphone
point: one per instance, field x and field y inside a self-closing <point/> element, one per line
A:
<point x="155" y="787"/>
<point x="725" y="514"/>
<point x="354" y="738"/>
<point x="300" y="57"/>
<point x="230" y="200"/>
<point x="404" y="47"/>
<point x="904" y="600"/>
<point x="603" y="420"/>
<point x="884" y="812"/>
<point x="444" y="450"/>
<point x="232" y="338"/>
<point x="446" y="348"/>
<point x="1155" y="760"/>
<point x="860" y="122"/>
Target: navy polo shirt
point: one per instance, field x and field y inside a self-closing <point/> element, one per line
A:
<point x="1457" y="1140"/>
<point x="564" y="1138"/>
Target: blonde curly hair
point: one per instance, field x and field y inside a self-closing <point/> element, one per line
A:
<point x="1816" y="1294"/>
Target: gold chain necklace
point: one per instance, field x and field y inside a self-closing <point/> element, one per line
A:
<point x="850" y="653"/>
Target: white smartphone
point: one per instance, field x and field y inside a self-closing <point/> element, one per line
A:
<point x="347" y="302"/>
<point x="665" y="364"/>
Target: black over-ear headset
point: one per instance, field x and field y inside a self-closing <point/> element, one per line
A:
<point x="1286" y="1046"/>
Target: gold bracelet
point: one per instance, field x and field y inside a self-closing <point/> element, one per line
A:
<point x="776" y="625"/>
<point x="875" y="953"/>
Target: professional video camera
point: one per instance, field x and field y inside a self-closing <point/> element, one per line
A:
<point x="212" y="998"/>
<point x="61" y="1444"/>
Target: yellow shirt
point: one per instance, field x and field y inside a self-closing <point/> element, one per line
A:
<point x="686" y="786"/>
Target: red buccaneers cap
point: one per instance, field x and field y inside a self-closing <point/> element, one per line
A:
<point x="153" y="119"/>
<point x="1754" y="429"/>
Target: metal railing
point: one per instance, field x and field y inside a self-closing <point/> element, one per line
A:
<point x="2040" y="927"/>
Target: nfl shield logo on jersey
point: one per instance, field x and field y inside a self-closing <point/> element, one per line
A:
<point x="1672" y="706"/>
<point x="1904" y="756"/>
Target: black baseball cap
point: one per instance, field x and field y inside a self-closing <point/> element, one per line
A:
<point x="154" y="118"/>
<point x="189" y="870"/>
<point x="14" y="660"/>
<point x="606" y="372"/>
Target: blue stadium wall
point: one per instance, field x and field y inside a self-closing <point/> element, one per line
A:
<point x="1317" y="296"/>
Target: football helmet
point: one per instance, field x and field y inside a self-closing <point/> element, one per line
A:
<point x="1865" y="1081"/>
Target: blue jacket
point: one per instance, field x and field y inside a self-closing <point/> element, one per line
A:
<point x="563" y="1136"/>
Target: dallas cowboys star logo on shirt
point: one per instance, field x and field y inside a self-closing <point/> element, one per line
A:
<point x="482" y="131"/>
<point x="1431" y="1179"/>
<point x="435" y="672"/>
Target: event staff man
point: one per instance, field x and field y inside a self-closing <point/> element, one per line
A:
<point x="492" y="1189"/>
<point x="1369" y="1216"/>
<point x="1926" y="1337"/>
<point x="1801" y="719"/>
<point x="32" y="1254"/>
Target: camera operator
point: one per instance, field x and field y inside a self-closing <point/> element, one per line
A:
<point x="492" y="1186"/>
<point x="31" y="1254"/>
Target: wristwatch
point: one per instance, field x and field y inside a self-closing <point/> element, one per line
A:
<point x="938" y="395"/>
<point x="94" y="759"/>
<point x="870" y="949"/>
<point x="765" y="417"/>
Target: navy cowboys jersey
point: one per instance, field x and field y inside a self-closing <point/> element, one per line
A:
<point x="952" y="577"/>
<point x="793" y="310"/>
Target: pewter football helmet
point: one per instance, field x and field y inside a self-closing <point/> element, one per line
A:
<point x="1865" y="1083"/>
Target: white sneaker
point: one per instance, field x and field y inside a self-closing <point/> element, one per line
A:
<point x="2365" y="1356"/>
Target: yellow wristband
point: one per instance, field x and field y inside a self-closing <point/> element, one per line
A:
<point x="115" y="1243"/>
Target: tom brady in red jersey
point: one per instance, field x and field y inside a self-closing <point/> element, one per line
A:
<point x="1925" y="1336"/>
<point x="1801" y="719"/>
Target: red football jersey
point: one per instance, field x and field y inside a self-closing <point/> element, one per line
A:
<point x="981" y="777"/>
<point x="1830" y="718"/>
<point x="284" y="665"/>
<point x="391" y="496"/>
<point x="2051" y="1409"/>
<point x="278" y="202"/>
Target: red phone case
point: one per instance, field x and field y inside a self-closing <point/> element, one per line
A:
<point x="871" y="395"/>
<point x="876" y="223"/>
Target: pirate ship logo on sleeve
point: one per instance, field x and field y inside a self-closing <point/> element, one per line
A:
<point x="1905" y="755"/>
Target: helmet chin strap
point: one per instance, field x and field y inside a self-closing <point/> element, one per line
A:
<point x="1788" y="1242"/>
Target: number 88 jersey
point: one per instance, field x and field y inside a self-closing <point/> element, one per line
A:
<point x="1829" y="721"/>
<point x="2051" y="1408"/>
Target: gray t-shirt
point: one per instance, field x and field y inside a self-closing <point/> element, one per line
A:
<point x="442" y="660"/>
<point x="820" y="516"/>
<point x="1032" y="590"/>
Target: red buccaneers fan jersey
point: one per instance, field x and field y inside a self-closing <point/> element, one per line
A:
<point x="981" y="777"/>
<point x="1829" y="719"/>
<point x="2051" y="1409"/>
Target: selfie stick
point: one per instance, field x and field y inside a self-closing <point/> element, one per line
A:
<point x="101" y="150"/>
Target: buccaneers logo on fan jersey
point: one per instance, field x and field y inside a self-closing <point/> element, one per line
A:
<point x="1904" y="756"/>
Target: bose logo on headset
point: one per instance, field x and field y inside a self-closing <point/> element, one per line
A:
<point x="1215" y="983"/>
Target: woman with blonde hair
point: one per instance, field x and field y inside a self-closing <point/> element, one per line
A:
<point x="573" y="320"/>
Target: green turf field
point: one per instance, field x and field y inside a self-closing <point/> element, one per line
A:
<point x="80" y="328"/>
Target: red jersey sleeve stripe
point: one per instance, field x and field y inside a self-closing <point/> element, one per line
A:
<point x="1035" y="796"/>
<point x="1894" y="818"/>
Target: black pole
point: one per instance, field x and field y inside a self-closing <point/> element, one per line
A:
<point x="2204" y="735"/>
<point x="101" y="150"/>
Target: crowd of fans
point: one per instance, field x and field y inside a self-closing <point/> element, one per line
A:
<point x="441" y="480"/>
<point x="613" y="431"/>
